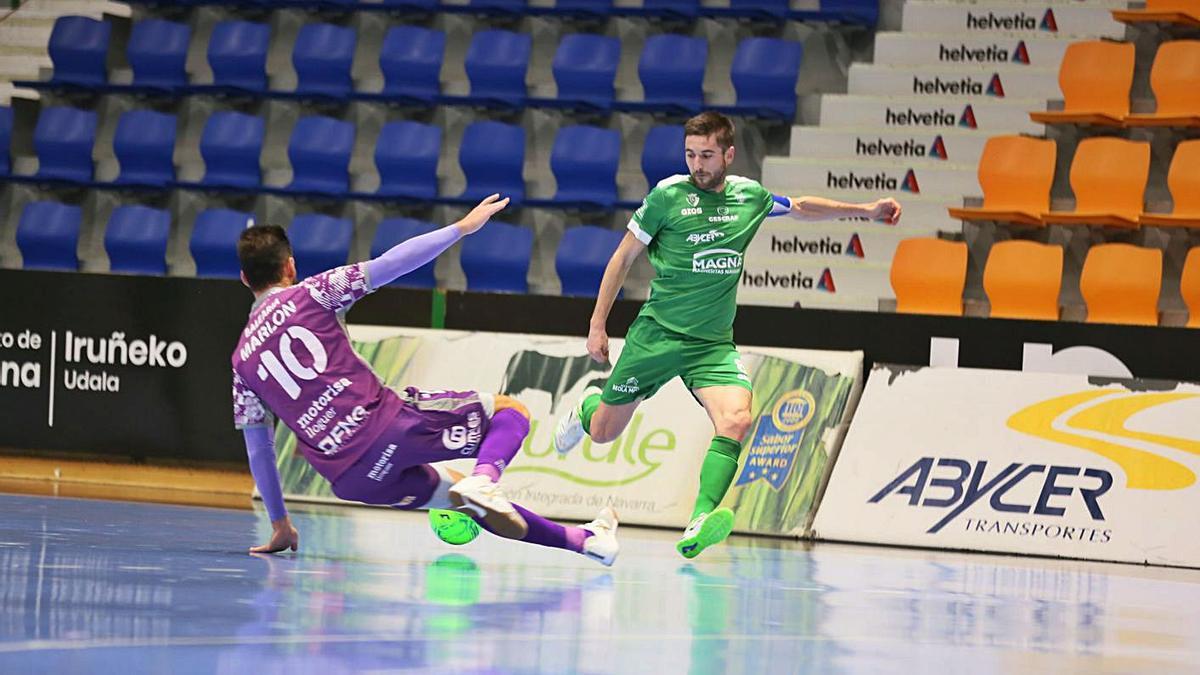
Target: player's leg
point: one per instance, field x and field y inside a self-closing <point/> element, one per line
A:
<point x="479" y="494"/>
<point x="649" y="360"/>
<point x="723" y="388"/>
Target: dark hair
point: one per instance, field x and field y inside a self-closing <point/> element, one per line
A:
<point x="263" y="250"/>
<point x="708" y="124"/>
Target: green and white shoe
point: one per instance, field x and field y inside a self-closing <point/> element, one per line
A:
<point x="705" y="530"/>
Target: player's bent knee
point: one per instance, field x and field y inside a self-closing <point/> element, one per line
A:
<point x="509" y="403"/>
<point x="735" y="426"/>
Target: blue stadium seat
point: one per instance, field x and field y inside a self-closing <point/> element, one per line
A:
<point x="48" y="236"/>
<point x="585" y="67"/>
<point x="492" y="156"/>
<point x="672" y="72"/>
<point x="136" y="240"/>
<point x="775" y="9"/>
<point x="157" y="52"/>
<point x="687" y="8"/>
<point x="601" y="7"/>
<point x="582" y="256"/>
<point x="322" y="58"/>
<point x="320" y="150"/>
<point x="584" y="161"/>
<point x="214" y="242"/>
<point x="406" y="156"/>
<point x="6" y="123"/>
<point x="662" y="154"/>
<point x="319" y="243"/>
<point x="496" y="258"/>
<point x="79" y="50"/>
<point x="395" y="230"/>
<point x="237" y="54"/>
<point x="231" y="145"/>
<point x="145" y="145"/>
<point x="410" y="4"/>
<point x="764" y="75"/>
<point x="514" y="6"/>
<point x="411" y="61"/>
<point x="63" y="142"/>
<point x="865" y="12"/>
<point x="496" y="63"/>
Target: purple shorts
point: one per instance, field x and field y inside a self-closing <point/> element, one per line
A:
<point x="432" y="426"/>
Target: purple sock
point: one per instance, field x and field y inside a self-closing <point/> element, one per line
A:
<point x="509" y="428"/>
<point x="545" y="532"/>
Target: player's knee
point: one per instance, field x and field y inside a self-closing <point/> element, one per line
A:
<point x="735" y="425"/>
<point x="509" y="403"/>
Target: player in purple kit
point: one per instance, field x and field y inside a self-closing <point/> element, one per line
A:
<point x="374" y="445"/>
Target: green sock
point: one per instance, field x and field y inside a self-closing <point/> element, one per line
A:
<point x="720" y="463"/>
<point x="587" y="409"/>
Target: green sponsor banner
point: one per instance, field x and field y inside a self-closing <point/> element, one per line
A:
<point x="650" y="474"/>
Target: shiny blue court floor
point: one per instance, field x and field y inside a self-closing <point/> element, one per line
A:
<point x="113" y="587"/>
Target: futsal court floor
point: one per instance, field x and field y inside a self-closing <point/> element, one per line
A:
<point x="95" y="586"/>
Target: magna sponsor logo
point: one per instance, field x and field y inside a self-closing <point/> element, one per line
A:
<point x="797" y="280"/>
<point x="825" y="246"/>
<point x="1004" y="21"/>
<point x="958" y="485"/>
<point x="717" y="261"/>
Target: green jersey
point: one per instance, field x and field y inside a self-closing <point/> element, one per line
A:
<point x="696" y="241"/>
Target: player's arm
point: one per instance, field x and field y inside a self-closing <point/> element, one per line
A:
<point x="250" y="415"/>
<point x="614" y="277"/>
<point x="412" y="253"/>
<point x="885" y="210"/>
<point x="260" y="450"/>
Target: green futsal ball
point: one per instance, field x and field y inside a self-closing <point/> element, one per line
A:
<point x="453" y="527"/>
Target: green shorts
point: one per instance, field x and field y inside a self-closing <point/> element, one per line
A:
<point x="653" y="356"/>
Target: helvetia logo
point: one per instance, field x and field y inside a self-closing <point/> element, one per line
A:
<point x="995" y="87"/>
<point x="1021" y="54"/>
<point x="854" y="247"/>
<point x="1048" y="22"/>
<point x="826" y="283"/>
<point x="910" y="183"/>
<point x="938" y="149"/>
<point x="968" y="118"/>
<point x="1095" y="421"/>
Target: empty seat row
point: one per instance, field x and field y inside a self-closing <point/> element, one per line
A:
<point x="864" y="12"/>
<point x="494" y="259"/>
<point x="584" y="159"/>
<point x="1120" y="282"/>
<point x="764" y="70"/>
<point x="1096" y="78"/>
<point x="1108" y="178"/>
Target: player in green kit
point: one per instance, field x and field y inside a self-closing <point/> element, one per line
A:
<point x="696" y="228"/>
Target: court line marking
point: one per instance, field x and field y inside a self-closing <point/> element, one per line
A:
<point x="59" y="567"/>
<point x="223" y="569"/>
<point x="141" y="568"/>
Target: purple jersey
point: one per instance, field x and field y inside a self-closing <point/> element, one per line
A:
<point x="295" y="360"/>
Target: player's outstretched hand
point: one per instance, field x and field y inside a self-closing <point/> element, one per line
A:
<point x="284" y="536"/>
<point x="597" y="345"/>
<point x="479" y="215"/>
<point x="886" y="210"/>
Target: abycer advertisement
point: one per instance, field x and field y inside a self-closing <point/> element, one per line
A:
<point x="1018" y="462"/>
<point x="650" y="474"/>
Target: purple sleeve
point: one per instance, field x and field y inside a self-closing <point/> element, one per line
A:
<point x="260" y="447"/>
<point x="410" y="254"/>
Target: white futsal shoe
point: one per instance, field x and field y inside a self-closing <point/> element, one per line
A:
<point x="479" y="496"/>
<point x="569" y="431"/>
<point x="602" y="546"/>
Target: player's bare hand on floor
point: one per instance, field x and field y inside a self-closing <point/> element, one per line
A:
<point x="284" y="536"/>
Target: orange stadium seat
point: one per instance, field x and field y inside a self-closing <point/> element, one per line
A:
<point x="1182" y="12"/>
<point x="1016" y="173"/>
<point x="1183" y="179"/>
<point x="928" y="276"/>
<point x="1095" y="78"/>
<point x="1189" y="286"/>
<point x="1175" y="79"/>
<point x="1022" y="280"/>
<point x="1108" y="176"/>
<point x="1120" y="284"/>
